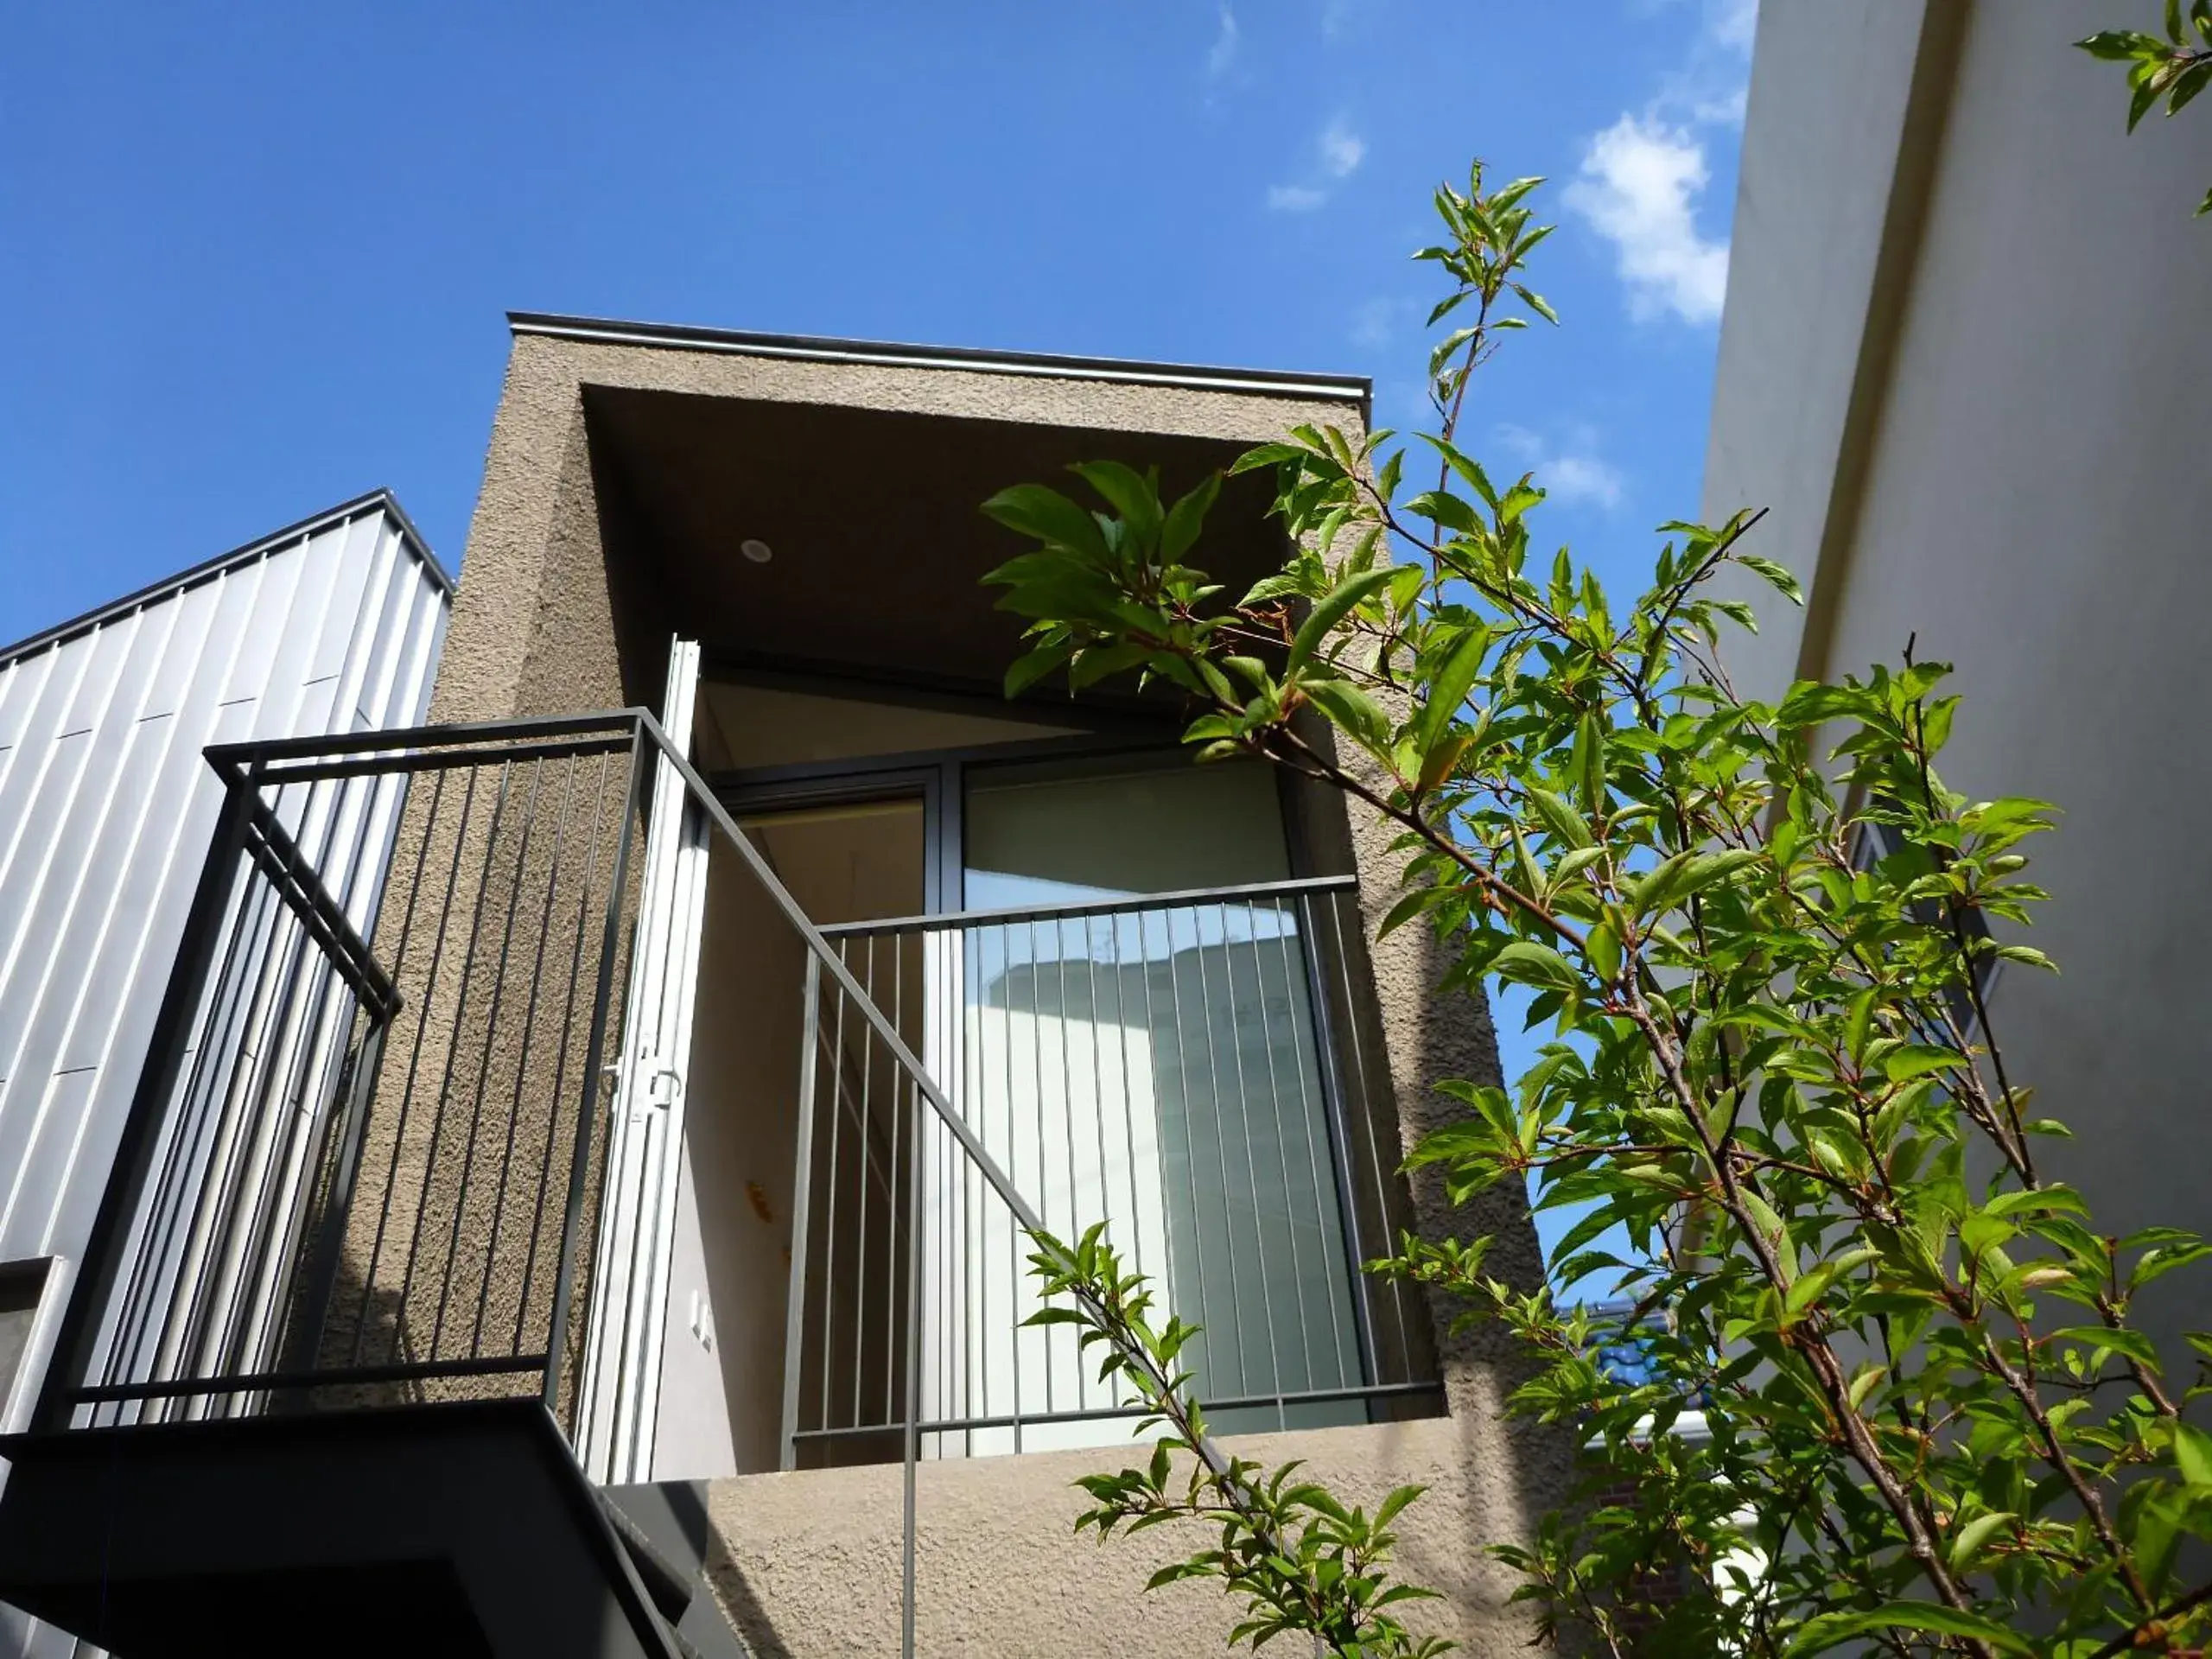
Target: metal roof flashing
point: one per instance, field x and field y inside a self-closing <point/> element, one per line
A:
<point x="1333" y="388"/>
<point x="378" y="500"/>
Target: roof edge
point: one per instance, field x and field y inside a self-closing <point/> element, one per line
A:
<point x="380" y="501"/>
<point x="1276" y="383"/>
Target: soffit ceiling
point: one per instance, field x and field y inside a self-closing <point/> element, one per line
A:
<point x="873" y="517"/>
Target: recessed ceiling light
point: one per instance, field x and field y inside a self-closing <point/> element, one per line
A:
<point x="756" y="550"/>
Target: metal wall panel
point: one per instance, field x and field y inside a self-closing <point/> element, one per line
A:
<point x="106" y="807"/>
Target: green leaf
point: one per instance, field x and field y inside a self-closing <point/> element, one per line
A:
<point x="1561" y="821"/>
<point x="1589" y="763"/>
<point x="1331" y="611"/>
<point x="1032" y="666"/>
<point x="2118" y="45"/>
<point x="1353" y="712"/>
<point x="2132" y="1343"/>
<point x="2193" y="1455"/>
<point x="1603" y="947"/>
<point x="1449" y="685"/>
<point x="1828" y="1631"/>
<point x="1051" y="517"/>
<point x="1186" y="518"/>
<point x="1526" y="962"/>
<point x="1775" y="576"/>
<point x="1466" y="466"/>
<point x="1129" y="492"/>
<point x="1974" y="1535"/>
<point x="1910" y="1060"/>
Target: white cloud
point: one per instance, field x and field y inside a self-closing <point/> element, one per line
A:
<point x="1337" y="153"/>
<point x="1568" y="472"/>
<point x="1221" y="56"/>
<point x="1583" y="478"/>
<point x="1732" y="23"/>
<point x="1342" y="149"/>
<point x="1376" y="322"/>
<point x="1638" y="188"/>
<point x="1642" y="177"/>
<point x="1338" y="16"/>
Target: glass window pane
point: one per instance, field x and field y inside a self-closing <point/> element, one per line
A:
<point x="1037" y="835"/>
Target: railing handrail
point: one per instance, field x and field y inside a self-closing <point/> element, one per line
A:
<point x="1181" y="899"/>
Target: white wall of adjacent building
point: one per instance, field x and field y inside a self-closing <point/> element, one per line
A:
<point x="1964" y="363"/>
<point x="106" y="807"/>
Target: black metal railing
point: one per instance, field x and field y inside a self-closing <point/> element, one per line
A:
<point x="1183" y="1066"/>
<point x="357" y="1169"/>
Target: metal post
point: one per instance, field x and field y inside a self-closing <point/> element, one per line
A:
<point x="914" y="1372"/>
<point x="802" y="1182"/>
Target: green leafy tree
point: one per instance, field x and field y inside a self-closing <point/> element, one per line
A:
<point x="1761" y="931"/>
<point x="2175" y="67"/>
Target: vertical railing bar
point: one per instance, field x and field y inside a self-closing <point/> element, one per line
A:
<point x="483" y="1064"/>
<point x="1251" y="1164"/>
<point x="890" y="1226"/>
<point x="1189" y="1140"/>
<point x="802" y="1185"/>
<point x="1128" y="1110"/>
<point x="830" y="1230"/>
<point x="1013" y="1250"/>
<point x="912" y="1447"/>
<point x="1044" y="1187"/>
<point x="594" y="1059"/>
<point x="344" y="1125"/>
<point x="1337" y="1124"/>
<point x="1284" y="928"/>
<point x="306" y="1020"/>
<point x="1129" y="1106"/>
<point x="1097" y="1111"/>
<point x="1358" y="1079"/>
<point x="288" y="1124"/>
<point x="453" y="1048"/>
<point x="1290" y="1215"/>
<point x="965" y="1250"/>
<point x="415" y="1055"/>
<point x="890" y="1194"/>
<point x="528" y="1030"/>
<point x="1221" y="1146"/>
<point x="341" y="1214"/>
<point x="256" y="1130"/>
<point x="561" y="1056"/>
<point x="180" y="1011"/>
<point x="1067" y="1116"/>
<point x="975" y="1279"/>
<point x="206" y="1214"/>
<point x="322" y="1283"/>
<point x="223" y="1009"/>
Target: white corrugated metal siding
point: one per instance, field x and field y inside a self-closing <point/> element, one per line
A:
<point x="106" y="809"/>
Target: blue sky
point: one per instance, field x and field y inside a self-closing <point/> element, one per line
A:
<point x="254" y="259"/>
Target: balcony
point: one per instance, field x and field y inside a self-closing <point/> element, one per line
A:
<point x="1170" y="1063"/>
<point x="426" y="1125"/>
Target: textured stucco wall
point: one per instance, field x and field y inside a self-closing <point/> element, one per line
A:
<point x="536" y="629"/>
<point x="808" y="1564"/>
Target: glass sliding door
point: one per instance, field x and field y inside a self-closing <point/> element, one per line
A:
<point x="1155" y="1067"/>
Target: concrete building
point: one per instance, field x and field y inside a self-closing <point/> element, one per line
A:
<point x="573" y="1196"/>
<point x="1958" y="364"/>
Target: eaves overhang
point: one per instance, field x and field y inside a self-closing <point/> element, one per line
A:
<point x="1266" y="383"/>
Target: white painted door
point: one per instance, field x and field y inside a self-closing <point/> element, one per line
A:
<point x="620" y="1388"/>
